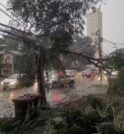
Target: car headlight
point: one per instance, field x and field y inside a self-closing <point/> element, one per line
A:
<point x="53" y="76"/>
<point x="52" y="79"/>
<point x="13" y="83"/>
<point x="2" y="82"/>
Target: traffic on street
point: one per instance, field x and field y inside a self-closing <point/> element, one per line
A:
<point x="55" y="95"/>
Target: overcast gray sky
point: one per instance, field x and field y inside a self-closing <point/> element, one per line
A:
<point x="113" y="21"/>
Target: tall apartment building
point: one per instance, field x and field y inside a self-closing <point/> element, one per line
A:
<point x="94" y="23"/>
<point x="94" y="30"/>
<point x="94" y="27"/>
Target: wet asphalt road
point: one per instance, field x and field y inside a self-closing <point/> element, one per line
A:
<point x="54" y="96"/>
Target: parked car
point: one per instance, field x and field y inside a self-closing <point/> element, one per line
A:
<point x="10" y="82"/>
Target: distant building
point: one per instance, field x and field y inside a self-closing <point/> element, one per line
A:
<point x="7" y="64"/>
<point x="7" y="60"/>
<point x="3" y="48"/>
<point x="94" y="25"/>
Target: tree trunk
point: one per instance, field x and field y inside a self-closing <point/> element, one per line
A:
<point x="40" y="78"/>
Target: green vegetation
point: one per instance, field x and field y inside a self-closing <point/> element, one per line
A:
<point x="54" y="23"/>
<point x="24" y="63"/>
<point x="117" y="64"/>
<point x="93" y="116"/>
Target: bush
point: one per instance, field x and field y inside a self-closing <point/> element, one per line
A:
<point x="6" y="125"/>
<point x="96" y="103"/>
<point x="77" y="121"/>
<point x="69" y="120"/>
<point x="109" y="128"/>
<point x="116" y="86"/>
<point x="84" y="121"/>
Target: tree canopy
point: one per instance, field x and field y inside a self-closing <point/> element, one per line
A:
<point x="49" y="27"/>
<point x="47" y="16"/>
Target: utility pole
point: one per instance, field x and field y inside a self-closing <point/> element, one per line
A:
<point x="98" y="41"/>
<point x="98" y="33"/>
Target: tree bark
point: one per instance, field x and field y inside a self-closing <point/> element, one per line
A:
<point x="40" y="78"/>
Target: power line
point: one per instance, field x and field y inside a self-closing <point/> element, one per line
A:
<point x="4" y="11"/>
<point x="7" y="13"/>
<point x="113" y="43"/>
<point x="3" y="5"/>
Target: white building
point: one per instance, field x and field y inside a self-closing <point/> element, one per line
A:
<point x="94" y="27"/>
<point x="94" y="23"/>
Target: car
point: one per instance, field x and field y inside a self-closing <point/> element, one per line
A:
<point x="59" y="78"/>
<point x="62" y="79"/>
<point x="88" y="72"/>
<point x="10" y="82"/>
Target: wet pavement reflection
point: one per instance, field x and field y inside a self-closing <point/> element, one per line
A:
<point x="54" y="96"/>
<point x="6" y="104"/>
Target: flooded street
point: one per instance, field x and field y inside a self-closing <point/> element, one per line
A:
<point x="82" y="87"/>
<point x="6" y="104"/>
